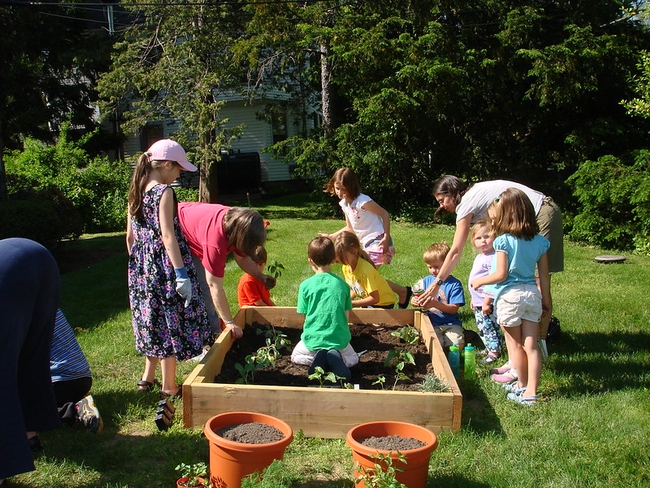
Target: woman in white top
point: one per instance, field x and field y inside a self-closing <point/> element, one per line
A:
<point x="470" y="203"/>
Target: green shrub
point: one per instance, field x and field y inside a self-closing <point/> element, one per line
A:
<point x="33" y="199"/>
<point x="614" y="201"/>
<point x="187" y="194"/>
<point x="36" y="220"/>
<point x="100" y="191"/>
<point x="96" y="188"/>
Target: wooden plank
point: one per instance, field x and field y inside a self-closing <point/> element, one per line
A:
<point x="325" y="412"/>
<point x="288" y="317"/>
<point x="442" y="369"/>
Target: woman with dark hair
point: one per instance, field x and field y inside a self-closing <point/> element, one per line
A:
<point x="470" y="203"/>
<point x="213" y="231"/>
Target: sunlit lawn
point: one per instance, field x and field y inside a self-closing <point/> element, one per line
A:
<point x="591" y="429"/>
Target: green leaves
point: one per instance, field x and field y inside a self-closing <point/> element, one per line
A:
<point x="614" y="201"/>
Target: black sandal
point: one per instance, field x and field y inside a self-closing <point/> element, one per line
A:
<point x="409" y="294"/>
<point x="179" y="394"/>
<point x="144" y="386"/>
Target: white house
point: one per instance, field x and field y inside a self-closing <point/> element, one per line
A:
<point x="239" y="160"/>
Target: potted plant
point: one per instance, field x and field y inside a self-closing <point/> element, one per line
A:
<point x="409" y="466"/>
<point x="193" y="476"/>
<point x="231" y="460"/>
<point x="383" y="474"/>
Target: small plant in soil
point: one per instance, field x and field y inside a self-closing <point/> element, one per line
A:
<point x="247" y="370"/>
<point x="408" y="334"/>
<point x="265" y="356"/>
<point x="196" y="474"/>
<point x="381" y="381"/>
<point x="431" y="383"/>
<point x="321" y="376"/>
<point x="383" y="473"/>
<point x="274" y="337"/>
<point x="398" y="359"/>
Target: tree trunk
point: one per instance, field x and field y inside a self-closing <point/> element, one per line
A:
<point x="3" y="173"/>
<point x="326" y="91"/>
<point x="206" y="186"/>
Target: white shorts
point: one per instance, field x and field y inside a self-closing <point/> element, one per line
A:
<point x="451" y="335"/>
<point x="517" y="303"/>
<point x="302" y="355"/>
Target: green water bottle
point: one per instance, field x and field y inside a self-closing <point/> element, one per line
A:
<point x="454" y="360"/>
<point x="470" y="362"/>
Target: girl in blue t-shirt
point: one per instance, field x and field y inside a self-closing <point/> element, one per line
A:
<point x="519" y="303"/>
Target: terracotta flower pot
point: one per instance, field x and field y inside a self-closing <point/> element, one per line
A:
<point x="182" y="483"/>
<point x="414" y="474"/>
<point x="231" y="461"/>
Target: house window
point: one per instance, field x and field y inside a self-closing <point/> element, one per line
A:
<point x="149" y="135"/>
<point x="279" y="125"/>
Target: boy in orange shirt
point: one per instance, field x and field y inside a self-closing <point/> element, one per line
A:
<point x="251" y="292"/>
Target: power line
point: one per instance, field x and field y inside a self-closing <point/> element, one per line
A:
<point x="25" y="3"/>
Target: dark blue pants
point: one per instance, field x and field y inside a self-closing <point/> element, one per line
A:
<point x="29" y="298"/>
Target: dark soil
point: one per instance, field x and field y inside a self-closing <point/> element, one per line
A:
<point x="392" y="443"/>
<point x="376" y="339"/>
<point x="251" y="433"/>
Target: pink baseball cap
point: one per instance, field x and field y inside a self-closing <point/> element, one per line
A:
<point x="168" y="150"/>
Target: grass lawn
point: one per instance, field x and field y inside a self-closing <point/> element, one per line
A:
<point x="592" y="428"/>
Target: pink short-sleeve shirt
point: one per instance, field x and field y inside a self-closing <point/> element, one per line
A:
<point x="202" y="225"/>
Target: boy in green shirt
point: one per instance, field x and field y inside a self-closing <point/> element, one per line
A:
<point x="324" y="299"/>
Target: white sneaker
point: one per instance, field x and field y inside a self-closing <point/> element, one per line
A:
<point x="88" y="415"/>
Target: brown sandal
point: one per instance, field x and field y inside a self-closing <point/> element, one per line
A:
<point x="179" y="394"/>
<point x="145" y="386"/>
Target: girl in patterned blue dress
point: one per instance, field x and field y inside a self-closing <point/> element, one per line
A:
<point x="169" y="319"/>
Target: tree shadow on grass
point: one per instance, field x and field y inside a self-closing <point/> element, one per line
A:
<point x="598" y="362"/>
<point x="478" y="414"/>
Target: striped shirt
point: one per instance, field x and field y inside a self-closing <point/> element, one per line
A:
<point x="67" y="361"/>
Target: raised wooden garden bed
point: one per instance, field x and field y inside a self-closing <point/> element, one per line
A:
<point x="323" y="412"/>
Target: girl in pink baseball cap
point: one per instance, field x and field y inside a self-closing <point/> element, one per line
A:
<point x="169" y="318"/>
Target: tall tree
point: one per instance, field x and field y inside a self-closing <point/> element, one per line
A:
<point x="480" y="89"/>
<point x="173" y="66"/>
<point x="47" y="72"/>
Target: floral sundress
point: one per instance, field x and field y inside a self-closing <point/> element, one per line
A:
<point x="162" y="325"/>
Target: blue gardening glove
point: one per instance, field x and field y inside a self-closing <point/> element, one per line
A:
<point x="183" y="285"/>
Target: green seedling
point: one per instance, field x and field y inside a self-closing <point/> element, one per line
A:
<point x="321" y="376"/>
<point x="276" y="337"/>
<point x="247" y="370"/>
<point x="408" y="334"/>
<point x="383" y="473"/>
<point x="267" y="355"/>
<point x="398" y="359"/>
<point x="381" y="380"/>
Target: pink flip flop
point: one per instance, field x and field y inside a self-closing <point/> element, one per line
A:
<point x="507" y="377"/>
<point x="502" y="369"/>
